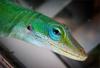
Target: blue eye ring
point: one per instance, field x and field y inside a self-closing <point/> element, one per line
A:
<point x="55" y="33"/>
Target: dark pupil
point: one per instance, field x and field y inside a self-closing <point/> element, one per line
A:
<point x="56" y="32"/>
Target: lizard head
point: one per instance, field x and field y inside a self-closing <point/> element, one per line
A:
<point x="58" y="38"/>
<point x="62" y="42"/>
<point x="45" y="32"/>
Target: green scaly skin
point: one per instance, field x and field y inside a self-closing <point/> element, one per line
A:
<point x="32" y="27"/>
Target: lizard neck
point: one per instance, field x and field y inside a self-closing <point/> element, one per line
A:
<point x="12" y="15"/>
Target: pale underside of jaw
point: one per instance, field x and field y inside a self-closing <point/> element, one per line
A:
<point x="46" y="42"/>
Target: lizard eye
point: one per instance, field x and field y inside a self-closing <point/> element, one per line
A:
<point x="55" y="34"/>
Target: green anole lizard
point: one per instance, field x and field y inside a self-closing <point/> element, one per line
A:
<point x="35" y="28"/>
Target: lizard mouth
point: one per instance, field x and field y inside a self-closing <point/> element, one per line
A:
<point x="73" y="55"/>
<point x="78" y="54"/>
